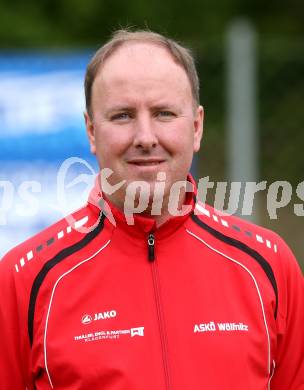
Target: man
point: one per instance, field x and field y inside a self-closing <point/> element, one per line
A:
<point x="172" y="296"/>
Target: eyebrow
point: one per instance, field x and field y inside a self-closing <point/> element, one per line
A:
<point x="166" y="107"/>
<point x="131" y="108"/>
<point x="163" y="106"/>
<point x="121" y="108"/>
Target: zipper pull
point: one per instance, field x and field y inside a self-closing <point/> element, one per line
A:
<point x="151" y="242"/>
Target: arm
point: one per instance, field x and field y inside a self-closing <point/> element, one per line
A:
<point x="12" y="330"/>
<point x="289" y="371"/>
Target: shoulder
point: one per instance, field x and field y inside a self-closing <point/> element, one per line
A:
<point x="262" y="245"/>
<point x="235" y="230"/>
<point x="28" y="257"/>
<point x="262" y="248"/>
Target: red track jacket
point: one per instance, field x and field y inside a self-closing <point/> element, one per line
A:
<point x="206" y="301"/>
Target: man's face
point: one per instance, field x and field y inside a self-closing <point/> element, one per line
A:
<point x="143" y="118"/>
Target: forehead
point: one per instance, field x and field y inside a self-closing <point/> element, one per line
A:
<point x="139" y="63"/>
<point x="139" y="53"/>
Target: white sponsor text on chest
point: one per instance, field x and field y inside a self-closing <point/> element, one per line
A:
<point x="221" y="327"/>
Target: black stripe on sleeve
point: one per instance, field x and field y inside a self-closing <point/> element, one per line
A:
<point x="245" y="248"/>
<point x="51" y="264"/>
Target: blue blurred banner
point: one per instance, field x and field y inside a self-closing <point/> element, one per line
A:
<point x="41" y="114"/>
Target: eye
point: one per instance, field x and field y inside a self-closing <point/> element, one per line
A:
<point x="121" y="116"/>
<point x="165" y="114"/>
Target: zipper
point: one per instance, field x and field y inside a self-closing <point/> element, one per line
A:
<point x="151" y="247"/>
<point x="160" y="315"/>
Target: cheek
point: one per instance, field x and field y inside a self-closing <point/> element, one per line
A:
<point x="179" y="141"/>
<point x="111" y="142"/>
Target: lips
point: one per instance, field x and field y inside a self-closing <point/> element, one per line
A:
<point x="146" y="162"/>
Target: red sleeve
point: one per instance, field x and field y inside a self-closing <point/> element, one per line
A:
<point x="14" y="345"/>
<point x="289" y="364"/>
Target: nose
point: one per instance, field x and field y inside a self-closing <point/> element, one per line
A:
<point x="145" y="137"/>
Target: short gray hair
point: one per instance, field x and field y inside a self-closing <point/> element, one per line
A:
<point x="179" y="53"/>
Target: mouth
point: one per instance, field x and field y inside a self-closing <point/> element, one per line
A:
<point x="146" y="162"/>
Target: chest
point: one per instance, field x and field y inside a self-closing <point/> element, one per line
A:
<point x="121" y="322"/>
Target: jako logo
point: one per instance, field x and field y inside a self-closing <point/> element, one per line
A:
<point x="104" y="315"/>
<point x="87" y="319"/>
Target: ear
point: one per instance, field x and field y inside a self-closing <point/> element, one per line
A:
<point x="90" y="132"/>
<point x="198" y="127"/>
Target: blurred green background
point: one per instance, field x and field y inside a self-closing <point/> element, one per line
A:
<point x="78" y="24"/>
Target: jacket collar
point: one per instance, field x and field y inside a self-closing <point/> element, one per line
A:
<point x="142" y="225"/>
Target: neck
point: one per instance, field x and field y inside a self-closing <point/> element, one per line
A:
<point x="158" y="209"/>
